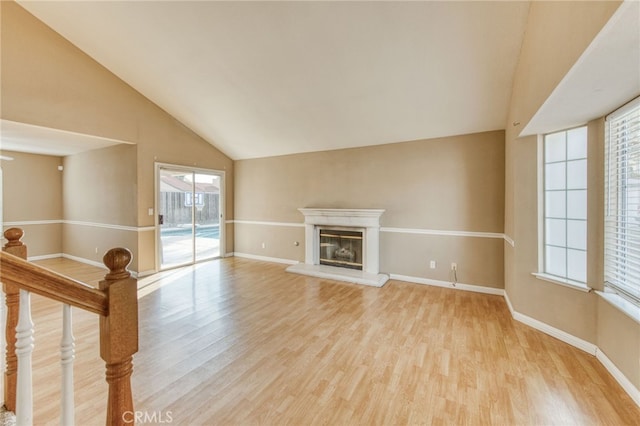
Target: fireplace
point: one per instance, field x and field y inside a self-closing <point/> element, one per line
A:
<point x="341" y="248"/>
<point x="342" y="244"/>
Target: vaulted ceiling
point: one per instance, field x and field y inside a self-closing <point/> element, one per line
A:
<point x="259" y="79"/>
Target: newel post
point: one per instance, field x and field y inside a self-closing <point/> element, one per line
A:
<point x="119" y="334"/>
<point x="12" y="300"/>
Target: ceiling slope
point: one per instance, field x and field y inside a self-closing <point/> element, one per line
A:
<point x="260" y="79"/>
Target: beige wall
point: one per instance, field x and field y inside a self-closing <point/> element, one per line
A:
<point x="32" y="192"/>
<point x="100" y="194"/>
<point x="557" y="34"/>
<point x="451" y="184"/>
<point x="100" y="186"/>
<point x="478" y="183"/>
<point x="619" y="340"/>
<point x="48" y="82"/>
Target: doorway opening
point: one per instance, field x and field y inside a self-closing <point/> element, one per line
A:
<point x="189" y="221"/>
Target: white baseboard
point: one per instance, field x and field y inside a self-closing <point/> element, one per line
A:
<point x="143" y="273"/>
<point x="572" y="340"/>
<point x="446" y="284"/>
<point x="266" y="258"/>
<point x="44" y="256"/>
<point x="509" y="305"/>
<point x="83" y="260"/>
<point x="134" y="274"/>
<point x="626" y="384"/>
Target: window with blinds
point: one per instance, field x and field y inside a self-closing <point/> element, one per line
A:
<point x="622" y="208"/>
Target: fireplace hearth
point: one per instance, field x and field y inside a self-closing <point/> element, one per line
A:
<point x="342" y="244"/>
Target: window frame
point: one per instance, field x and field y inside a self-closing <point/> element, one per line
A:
<point x="630" y="293"/>
<point x="542" y="213"/>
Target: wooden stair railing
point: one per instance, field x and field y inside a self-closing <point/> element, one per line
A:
<point x="115" y="301"/>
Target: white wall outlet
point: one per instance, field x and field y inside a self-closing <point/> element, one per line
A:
<point x="150" y="211"/>
<point x="96" y="250"/>
<point x="432" y="264"/>
<point x="264" y="245"/>
<point x="454" y="266"/>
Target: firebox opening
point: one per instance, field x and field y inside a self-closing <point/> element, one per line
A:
<point x="341" y="248"/>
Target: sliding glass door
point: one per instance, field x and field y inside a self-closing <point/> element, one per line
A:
<point x="189" y="205"/>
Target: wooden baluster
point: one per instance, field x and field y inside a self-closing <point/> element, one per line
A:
<point x="119" y="334"/>
<point x="24" y="349"/>
<point x="12" y="299"/>
<point x="67" y="356"/>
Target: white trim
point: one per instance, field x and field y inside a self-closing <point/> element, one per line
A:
<point x="446" y="284"/>
<point x="339" y="274"/>
<point x="134" y="274"/>
<point x="416" y="231"/>
<point x="540" y="200"/>
<point x="266" y="258"/>
<point x="509" y="240"/>
<point x="563" y="282"/>
<point x="633" y="103"/>
<point x="44" y="256"/>
<point x="563" y="336"/>
<point x="618" y="302"/>
<point x="143" y="273"/>
<point x="420" y="231"/>
<point x="509" y="305"/>
<point x="33" y="222"/>
<point x="229" y="254"/>
<point x="626" y="384"/>
<point x="83" y="260"/>
<point x="101" y="225"/>
<point x="81" y="223"/>
<point x="258" y="222"/>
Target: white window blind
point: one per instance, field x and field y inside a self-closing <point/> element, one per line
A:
<point x="622" y="208"/>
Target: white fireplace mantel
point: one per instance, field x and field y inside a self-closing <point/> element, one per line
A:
<point x="367" y="220"/>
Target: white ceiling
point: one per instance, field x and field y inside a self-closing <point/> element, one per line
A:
<point x="22" y="137"/>
<point x="259" y="79"/>
<point x="606" y="76"/>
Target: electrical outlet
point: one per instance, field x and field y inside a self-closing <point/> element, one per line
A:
<point x="454" y="266"/>
<point x="432" y="264"/>
<point x="264" y="245"/>
<point x="96" y="250"/>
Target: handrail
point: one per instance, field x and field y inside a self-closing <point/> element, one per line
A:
<point x="39" y="280"/>
<point x="115" y="301"/>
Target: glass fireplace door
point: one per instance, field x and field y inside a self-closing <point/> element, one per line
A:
<point x="341" y="248"/>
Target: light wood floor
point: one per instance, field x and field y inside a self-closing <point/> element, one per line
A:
<point x="237" y="341"/>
